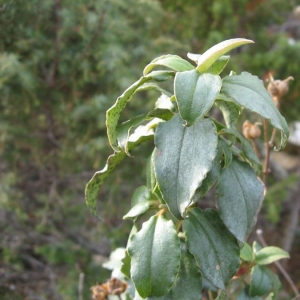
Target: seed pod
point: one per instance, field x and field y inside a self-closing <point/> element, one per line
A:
<point x="251" y="131"/>
<point x="279" y="88"/>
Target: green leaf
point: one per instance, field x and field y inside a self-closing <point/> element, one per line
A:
<point x="164" y="108"/>
<point x="230" y="111"/>
<point x="93" y="186"/>
<point x="173" y="62"/>
<point x="226" y="152"/>
<point x="210" y="178"/>
<point x="261" y="283"/>
<point x="212" y="54"/>
<point x="270" y="254"/>
<point x="154" y="87"/>
<point x="217" y="67"/>
<point x="247" y="149"/>
<point x="126" y="264"/>
<point x="139" y="209"/>
<point x="222" y="296"/>
<point x="248" y="91"/>
<point x="188" y="282"/>
<point x="153" y="269"/>
<point x="124" y="130"/>
<point x="183" y="157"/>
<point x="244" y="296"/>
<point x="141" y="134"/>
<point x="246" y="253"/>
<point x="276" y="284"/>
<point x="213" y="246"/>
<point x="239" y="196"/>
<point x="195" y="94"/>
<point x="113" y="114"/>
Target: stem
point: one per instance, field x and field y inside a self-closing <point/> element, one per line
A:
<point x="278" y="265"/>
<point x="267" y="156"/>
<point x="254" y="147"/>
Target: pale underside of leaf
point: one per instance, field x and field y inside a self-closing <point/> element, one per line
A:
<point x="212" y="54"/>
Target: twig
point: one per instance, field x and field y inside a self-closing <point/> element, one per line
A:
<point x="261" y="239"/>
<point x="267" y="156"/>
<point x="80" y="286"/>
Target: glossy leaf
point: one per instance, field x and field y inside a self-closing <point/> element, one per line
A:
<point x="93" y="186"/>
<point x="270" y="254"/>
<point x="153" y="269"/>
<point x="213" y="246"/>
<point x="113" y="114"/>
<point x="248" y="91"/>
<point x="173" y="62"/>
<point x="183" y="157"/>
<point x="212" y="54"/>
<point x="261" y="283"/>
<point x="239" y="196"/>
<point x="195" y="94"/>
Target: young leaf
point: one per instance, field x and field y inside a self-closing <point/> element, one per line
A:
<point x="126" y="264"/>
<point x="153" y="270"/>
<point x="261" y="283"/>
<point x="183" y="157"/>
<point x="239" y="196"/>
<point x="246" y="253"/>
<point x="173" y="62"/>
<point x="113" y="114"/>
<point x="213" y="246"/>
<point x="248" y="91"/>
<point x="195" y="94"/>
<point x="93" y="186"/>
<point x="217" y="67"/>
<point x="212" y="54"/>
<point x="270" y="254"/>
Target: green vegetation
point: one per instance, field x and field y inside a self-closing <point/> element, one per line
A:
<point x="62" y="65"/>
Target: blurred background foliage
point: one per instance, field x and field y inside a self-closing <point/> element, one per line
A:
<point x="62" y="65"/>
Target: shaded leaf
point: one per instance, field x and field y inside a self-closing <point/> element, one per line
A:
<point x="164" y="108"/>
<point x="213" y="246"/>
<point x="230" y="111"/>
<point x="126" y="264"/>
<point x="113" y="114"/>
<point x="270" y="254"/>
<point x="248" y="91"/>
<point x="239" y="196"/>
<point x="261" y="283"/>
<point x="212" y="54"/>
<point x="195" y="94"/>
<point x="183" y="157"/>
<point x="173" y="62"/>
<point x="153" y="269"/>
<point x="244" y="296"/>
